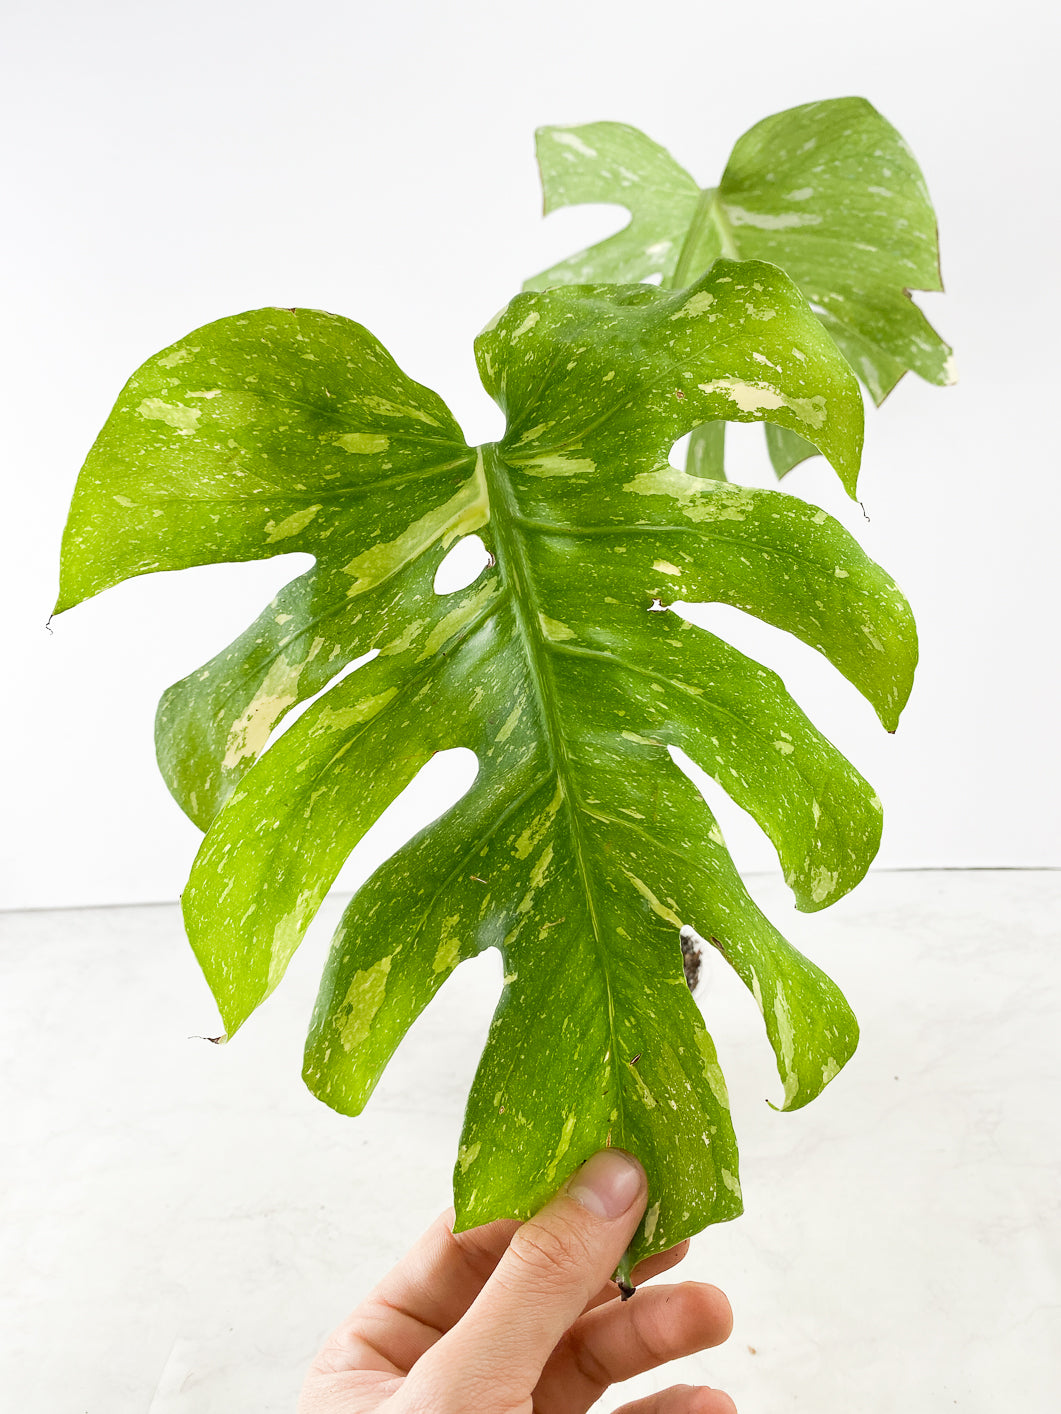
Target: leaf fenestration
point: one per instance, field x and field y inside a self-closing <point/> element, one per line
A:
<point x="581" y="849"/>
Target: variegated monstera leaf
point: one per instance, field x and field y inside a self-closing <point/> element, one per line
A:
<point x="581" y="848"/>
<point x="828" y="191"/>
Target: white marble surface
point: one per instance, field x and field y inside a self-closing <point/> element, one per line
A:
<point x="183" y="1221"/>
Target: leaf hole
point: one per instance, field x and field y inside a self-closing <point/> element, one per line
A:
<point x="288" y="721"/>
<point x="679" y="452"/>
<point x="658" y="607"/>
<point x="435" y="788"/>
<point x="748" y="845"/>
<point x="462" y="566"/>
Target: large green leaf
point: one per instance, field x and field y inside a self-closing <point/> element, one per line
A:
<point x="828" y="191"/>
<point x="581" y="848"/>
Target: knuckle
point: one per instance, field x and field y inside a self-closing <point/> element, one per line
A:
<point x="550" y="1250"/>
<point x="585" y="1360"/>
<point x="336" y="1353"/>
<point x="649" y="1336"/>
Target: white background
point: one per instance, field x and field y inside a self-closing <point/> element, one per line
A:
<point x="183" y="1219"/>
<point x="187" y="1226"/>
<point x="172" y="164"/>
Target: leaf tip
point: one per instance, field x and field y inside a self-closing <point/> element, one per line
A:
<point x="67" y="597"/>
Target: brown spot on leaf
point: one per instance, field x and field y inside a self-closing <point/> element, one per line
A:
<point x="692" y="956"/>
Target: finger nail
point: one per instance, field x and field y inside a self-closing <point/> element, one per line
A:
<point x="608" y="1184"/>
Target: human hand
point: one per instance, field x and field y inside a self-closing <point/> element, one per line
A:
<point x="522" y="1319"/>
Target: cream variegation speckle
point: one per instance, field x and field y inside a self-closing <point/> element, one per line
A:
<point x="572" y="140"/>
<point x="660" y="909"/>
<point x="362" y="443"/>
<point x="755" y="397"/>
<point x="290" y="525"/>
<point x="362" y="1000"/>
<point x="250" y="730"/>
<point x="182" y="419"/>
<point x="467" y="510"/>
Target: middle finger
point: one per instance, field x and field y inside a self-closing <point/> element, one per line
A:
<point x="620" y="1340"/>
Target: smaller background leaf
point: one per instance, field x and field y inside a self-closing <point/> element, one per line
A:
<point x="827" y="191"/>
<point x="617" y="165"/>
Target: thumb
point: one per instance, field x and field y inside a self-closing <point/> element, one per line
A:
<point x="553" y="1265"/>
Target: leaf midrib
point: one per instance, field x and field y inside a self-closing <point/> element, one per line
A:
<point x="515" y="570"/>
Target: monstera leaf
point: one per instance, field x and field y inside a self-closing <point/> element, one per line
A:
<point x="828" y="191"/>
<point x="581" y="849"/>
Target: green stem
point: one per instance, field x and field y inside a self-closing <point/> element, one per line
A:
<point x="622" y="1276"/>
<point x="698" y="238"/>
<point x="727" y="239"/>
<point x="709" y="236"/>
